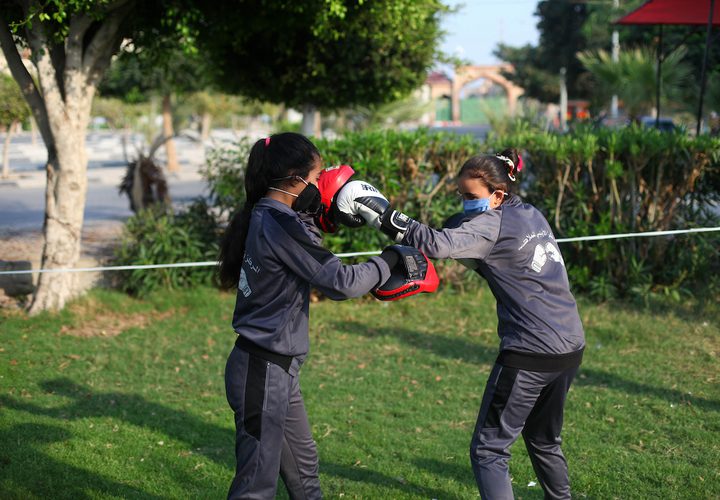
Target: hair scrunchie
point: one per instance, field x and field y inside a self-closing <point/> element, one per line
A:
<point x="510" y="164"/>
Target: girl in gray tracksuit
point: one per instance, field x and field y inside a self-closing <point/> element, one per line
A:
<point x="271" y="253"/>
<point x="511" y="245"/>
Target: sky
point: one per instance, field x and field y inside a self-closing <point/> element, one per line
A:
<point x="476" y="29"/>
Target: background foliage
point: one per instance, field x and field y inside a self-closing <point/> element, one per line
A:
<point x="152" y="236"/>
<point x="626" y="180"/>
<point x="332" y="53"/>
<point x="567" y="29"/>
<point x="586" y="183"/>
<point x="12" y="104"/>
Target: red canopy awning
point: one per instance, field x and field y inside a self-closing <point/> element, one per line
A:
<point x="689" y="12"/>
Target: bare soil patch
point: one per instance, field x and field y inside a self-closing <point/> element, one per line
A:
<point x="91" y="320"/>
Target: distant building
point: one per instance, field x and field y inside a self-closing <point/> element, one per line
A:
<point x="456" y="100"/>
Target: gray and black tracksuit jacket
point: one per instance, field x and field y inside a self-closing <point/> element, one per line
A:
<point x="283" y="260"/>
<point x="514" y="249"/>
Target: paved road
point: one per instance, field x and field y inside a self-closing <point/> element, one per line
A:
<point x="24" y="209"/>
<point x="478" y="131"/>
<point x="105" y="149"/>
<point x="22" y="202"/>
<point x="22" y="198"/>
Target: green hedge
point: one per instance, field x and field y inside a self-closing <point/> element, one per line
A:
<point x="415" y="170"/>
<point x="627" y="180"/>
<point x="587" y="182"/>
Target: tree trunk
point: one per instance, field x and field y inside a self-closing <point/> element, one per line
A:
<point x="33" y="131"/>
<point x="60" y="98"/>
<point x="318" y="124"/>
<point x="65" y="195"/>
<point x="205" y="123"/>
<point x="136" y="194"/>
<point x="172" y="161"/>
<point x="310" y="121"/>
<point x="282" y="114"/>
<point x="6" y="151"/>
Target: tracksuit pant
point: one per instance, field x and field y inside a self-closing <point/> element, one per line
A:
<point x="272" y="432"/>
<point x="530" y="403"/>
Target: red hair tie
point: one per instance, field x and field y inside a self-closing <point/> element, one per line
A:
<point x="520" y="163"/>
<point x="267" y="141"/>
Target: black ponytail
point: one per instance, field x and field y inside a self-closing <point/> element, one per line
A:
<point x="232" y="246"/>
<point x="274" y="157"/>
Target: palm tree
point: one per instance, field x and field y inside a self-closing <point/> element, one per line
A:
<point x="633" y="78"/>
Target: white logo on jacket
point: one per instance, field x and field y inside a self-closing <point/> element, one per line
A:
<point x="542" y="253"/>
<point x="253" y="267"/>
<point x="243" y="285"/>
<point x="543" y="233"/>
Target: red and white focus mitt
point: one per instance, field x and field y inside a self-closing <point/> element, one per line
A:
<point x="331" y="180"/>
<point x="410" y="274"/>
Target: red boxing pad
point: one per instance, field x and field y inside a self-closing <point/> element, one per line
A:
<point x="412" y="274"/>
<point x="329" y="183"/>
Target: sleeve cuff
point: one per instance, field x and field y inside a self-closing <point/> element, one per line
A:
<point x="383" y="268"/>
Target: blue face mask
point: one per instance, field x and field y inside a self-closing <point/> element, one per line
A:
<point x="476" y="206"/>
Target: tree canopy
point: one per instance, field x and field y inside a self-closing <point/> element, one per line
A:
<point x="561" y="38"/>
<point x="633" y="78"/>
<point x="326" y="53"/>
<point x="138" y="73"/>
<point x="569" y="28"/>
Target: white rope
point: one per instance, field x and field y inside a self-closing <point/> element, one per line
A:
<point x="637" y="235"/>
<point x="354" y="254"/>
<point x="112" y="268"/>
<point x="358" y="254"/>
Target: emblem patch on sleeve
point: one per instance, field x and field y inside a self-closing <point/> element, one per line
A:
<point x="243" y="285"/>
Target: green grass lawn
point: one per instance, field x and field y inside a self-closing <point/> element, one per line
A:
<point x="120" y="398"/>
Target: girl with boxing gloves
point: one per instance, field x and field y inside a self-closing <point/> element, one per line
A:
<point x="271" y="253"/>
<point x="510" y="244"/>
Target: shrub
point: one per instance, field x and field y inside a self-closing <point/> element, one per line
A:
<point x="224" y="172"/>
<point x="154" y="237"/>
<point x="587" y="182"/>
<point x="626" y="180"/>
<point x="415" y="170"/>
